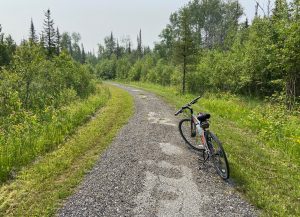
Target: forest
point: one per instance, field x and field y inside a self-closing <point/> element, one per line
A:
<point x="205" y="47"/>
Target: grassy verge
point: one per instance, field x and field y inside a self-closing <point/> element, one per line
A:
<point x="264" y="165"/>
<point x="39" y="189"/>
<point x="32" y="136"/>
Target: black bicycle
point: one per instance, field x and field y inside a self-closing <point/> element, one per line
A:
<point x="195" y="132"/>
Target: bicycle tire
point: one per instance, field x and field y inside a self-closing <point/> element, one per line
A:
<point x="218" y="155"/>
<point x="187" y="130"/>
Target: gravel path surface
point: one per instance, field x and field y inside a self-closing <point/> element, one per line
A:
<point x="149" y="171"/>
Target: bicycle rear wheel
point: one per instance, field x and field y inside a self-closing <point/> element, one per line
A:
<point x="218" y="155"/>
<point x="187" y="130"/>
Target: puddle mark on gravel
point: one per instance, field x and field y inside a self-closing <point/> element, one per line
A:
<point x="184" y="197"/>
<point x="170" y="149"/>
<point x="155" y="118"/>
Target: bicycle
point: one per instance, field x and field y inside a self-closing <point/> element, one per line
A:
<point x="195" y="132"/>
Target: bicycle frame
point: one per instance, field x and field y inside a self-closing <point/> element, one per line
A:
<point x="194" y="120"/>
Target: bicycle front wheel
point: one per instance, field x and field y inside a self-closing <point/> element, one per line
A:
<point x="218" y="155"/>
<point x="187" y="130"/>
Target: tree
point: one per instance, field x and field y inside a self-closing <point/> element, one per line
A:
<point x="7" y="48"/>
<point x="119" y="50"/>
<point x="168" y="37"/>
<point x="129" y="47"/>
<point x="185" y="48"/>
<point x="126" y="44"/>
<point x="296" y="10"/>
<point x="232" y="11"/>
<point x="66" y="42"/>
<point x="139" y="45"/>
<point x="285" y="37"/>
<point x="32" y="33"/>
<point x="58" y="41"/>
<point x="42" y="40"/>
<point x="76" y="52"/>
<point x="83" y="55"/>
<point x="280" y="11"/>
<point x="101" y="51"/>
<point x="291" y="64"/>
<point x="4" y="57"/>
<point x="110" y="45"/>
<point x="49" y="34"/>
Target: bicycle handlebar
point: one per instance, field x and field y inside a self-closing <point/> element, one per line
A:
<point x="187" y="105"/>
<point x="194" y="100"/>
<point x="178" y="112"/>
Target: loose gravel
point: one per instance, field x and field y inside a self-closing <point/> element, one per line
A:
<point x="149" y="171"/>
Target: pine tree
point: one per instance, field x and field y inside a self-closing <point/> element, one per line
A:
<point x="129" y="48"/>
<point x="83" y="55"/>
<point x="139" y="44"/>
<point x="58" y="41"/>
<point x="49" y="34"/>
<point x="185" y="47"/>
<point x="118" y="50"/>
<point x="32" y="34"/>
<point x="246" y="23"/>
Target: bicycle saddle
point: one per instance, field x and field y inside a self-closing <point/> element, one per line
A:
<point x="203" y="116"/>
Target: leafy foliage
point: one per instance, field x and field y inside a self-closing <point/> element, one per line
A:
<point x="44" y="95"/>
<point x="205" y="48"/>
<point x="35" y="93"/>
<point x="7" y="48"/>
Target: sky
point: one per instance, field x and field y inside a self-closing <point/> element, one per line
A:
<point x="95" y="19"/>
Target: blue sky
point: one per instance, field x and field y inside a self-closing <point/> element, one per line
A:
<point x="94" y="19"/>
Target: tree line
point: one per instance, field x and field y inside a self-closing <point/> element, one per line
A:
<point x="39" y="79"/>
<point x="206" y="47"/>
<point x="43" y="70"/>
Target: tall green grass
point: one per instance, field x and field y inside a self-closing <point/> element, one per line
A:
<point x="25" y="136"/>
<point x="263" y="146"/>
<point x="40" y="189"/>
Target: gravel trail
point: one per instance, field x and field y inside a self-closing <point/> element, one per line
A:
<point x="149" y="171"/>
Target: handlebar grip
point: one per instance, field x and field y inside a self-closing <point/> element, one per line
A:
<point x="178" y="112"/>
<point x="195" y="100"/>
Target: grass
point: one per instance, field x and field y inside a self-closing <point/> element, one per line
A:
<point x="33" y="135"/>
<point x="40" y="188"/>
<point x="261" y="143"/>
